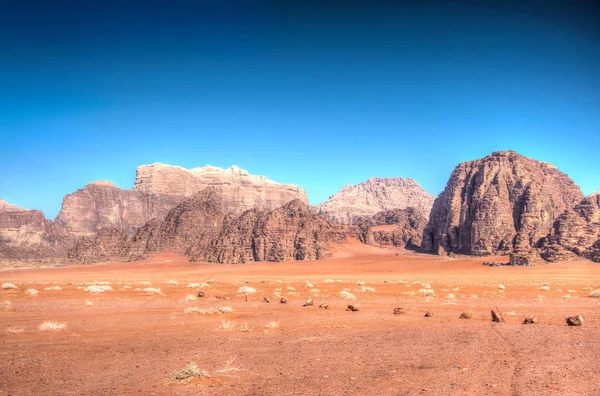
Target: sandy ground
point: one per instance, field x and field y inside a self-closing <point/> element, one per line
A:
<point x="128" y="340"/>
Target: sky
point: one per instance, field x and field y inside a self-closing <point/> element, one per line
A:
<point x="315" y="93"/>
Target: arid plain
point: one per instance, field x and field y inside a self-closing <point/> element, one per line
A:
<point x="148" y="324"/>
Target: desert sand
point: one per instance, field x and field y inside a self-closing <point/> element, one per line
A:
<point x="134" y="338"/>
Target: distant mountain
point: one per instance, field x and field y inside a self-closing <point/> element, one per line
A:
<point x="376" y="195"/>
<point x="159" y="188"/>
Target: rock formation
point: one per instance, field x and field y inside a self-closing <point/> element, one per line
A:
<point x="199" y="228"/>
<point x="103" y="205"/>
<point x="193" y="223"/>
<point x="291" y="232"/>
<point x="407" y="233"/>
<point x="26" y="234"/>
<point x="575" y="234"/>
<point x="499" y="204"/>
<point x="158" y="189"/>
<point x="376" y="195"/>
<point x="8" y="207"/>
<point x="240" y="190"/>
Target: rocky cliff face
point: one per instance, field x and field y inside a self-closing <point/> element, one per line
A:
<point x="8" y="207"/>
<point x="104" y="205"/>
<point x="240" y="190"/>
<point x="193" y="223"/>
<point x="502" y="203"/>
<point x="291" y="232"/>
<point x="375" y="195"/>
<point x="575" y="234"/>
<point x="198" y="228"/>
<point x="407" y="233"/>
<point x="26" y="234"/>
<point x="158" y="189"/>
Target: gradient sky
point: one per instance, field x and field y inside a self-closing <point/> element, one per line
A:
<point x="315" y="93"/>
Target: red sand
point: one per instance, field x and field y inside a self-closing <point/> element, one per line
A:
<point x="132" y="341"/>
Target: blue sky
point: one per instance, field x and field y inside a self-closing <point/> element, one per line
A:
<point x="319" y="94"/>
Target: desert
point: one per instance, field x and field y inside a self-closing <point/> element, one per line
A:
<point x="148" y="324"/>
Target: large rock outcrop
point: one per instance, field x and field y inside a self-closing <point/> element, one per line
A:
<point x="240" y="190"/>
<point x="352" y="203"/>
<point x="103" y="205"/>
<point x="503" y="203"/>
<point x="158" y="189"/>
<point x="393" y="228"/>
<point x="27" y="234"/>
<point x="575" y="234"/>
<point x="292" y="232"/>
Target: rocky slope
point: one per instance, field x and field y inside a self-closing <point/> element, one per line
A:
<point x="375" y="195"/>
<point x="158" y="189"/>
<point x="502" y="203"/>
<point x="26" y="234"/>
<point x="291" y="232"/>
<point x="575" y="234"/>
<point x="407" y="233"/>
<point x="199" y="228"/>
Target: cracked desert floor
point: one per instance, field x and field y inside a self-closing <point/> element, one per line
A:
<point x="132" y="339"/>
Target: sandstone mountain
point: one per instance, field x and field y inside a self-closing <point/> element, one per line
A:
<point x="199" y="228"/>
<point x="291" y="232"/>
<point x="502" y="203"/>
<point x="103" y="205"/>
<point x="8" y="207"/>
<point x="575" y="234"/>
<point x="407" y="231"/>
<point x="594" y="194"/>
<point x="158" y="189"/>
<point x="239" y="189"/>
<point x="375" y="195"/>
<point x="27" y="235"/>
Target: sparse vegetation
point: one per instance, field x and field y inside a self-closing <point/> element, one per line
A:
<point x="97" y="289"/>
<point x="226" y="325"/>
<point x="545" y="288"/>
<point x="6" y="306"/>
<point x="15" y="330"/>
<point x="245" y="328"/>
<point x="49" y="288"/>
<point x="88" y="303"/>
<point x="191" y="370"/>
<point x="152" y="290"/>
<point x="172" y="282"/>
<point x="272" y="324"/>
<point x="8" y="286"/>
<point x="146" y="283"/>
<point x="32" y="292"/>
<point x="189" y="297"/>
<point x="246" y="290"/>
<point x="51" y="325"/>
<point x="346" y="295"/>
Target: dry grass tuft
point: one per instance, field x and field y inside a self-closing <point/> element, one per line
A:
<point x="15" y="330"/>
<point x="426" y="292"/>
<point x="8" y="285"/>
<point x="152" y="290"/>
<point x="272" y="324"/>
<point x="97" y="289"/>
<point x="6" y="306"/>
<point x="172" y="282"/>
<point x="346" y="295"/>
<point x="545" y="288"/>
<point x="51" y="325"/>
<point x="226" y="325"/>
<point x="245" y="328"/>
<point x="146" y="283"/>
<point x="191" y="370"/>
<point x="246" y="290"/>
<point x="189" y="297"/>
<point x="88" y="303"/>
<point x="53" y="288"/>
<point x="32" y="292"/>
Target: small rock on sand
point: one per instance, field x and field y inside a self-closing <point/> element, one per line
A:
<point x="466" y="315"/>
<point x="576" y="320"/>
<point x="497" y="316"/>
<point x="267" y="299"/>
<point x="353" y="308"/>
<point x="399" y="311"/>
<point x="308" y="303"/>
<point x="530" y="320"/>
<point x="283" y="300"/>
<point x="428" y="313"/>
